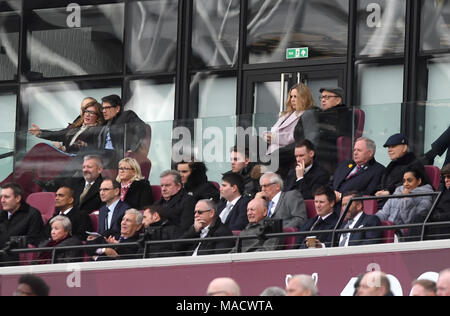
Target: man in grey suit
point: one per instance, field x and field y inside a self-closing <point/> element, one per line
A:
<point x="287" y="206"/>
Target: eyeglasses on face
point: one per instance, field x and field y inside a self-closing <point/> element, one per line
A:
<point x="202" y="212"/>
<point x="89" y="112"/>
<point x="327" y="97"/>
<point x="104" y="108"/>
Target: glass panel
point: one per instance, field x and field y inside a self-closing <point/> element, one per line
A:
<point x="7" y="128"/>
<point x="56" y="106"/>
<point x="382" y="110"/>
<point x="215" y="128"/>
<point x="215" y="33"/>
<point x="158" y="112"/>
<point x="9" y="39"/>
<point x="75" y="41"/>
<point x="381" y="27"/>
<point x="435" y="25"/>
<point x="152" y="35"/>
<point x="438" y="105"/>
<point x="274" y="26"/>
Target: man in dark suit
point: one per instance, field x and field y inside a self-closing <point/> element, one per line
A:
<point x="356" y="218"/>
<point x="232" y="208"/>
<point x="286" y="206"/>
<point x="86" y="188"/>
<point x="18" y="219"/>
<point x="80" y="220"/>
<point x="111" y="214"/>
<point x="180" y="205"/>
<point x="362" y="174"/>
<point x="206" y="225"/>
<point x="123" y="131"/>
<point x="308" y="175"/>
<point x="324" y="200"/>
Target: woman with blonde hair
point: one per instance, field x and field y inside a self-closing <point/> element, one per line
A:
<point x="135" y="190"/>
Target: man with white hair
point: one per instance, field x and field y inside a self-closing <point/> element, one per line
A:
<point x="301" y="285"/>
<point x="287" y="206"/>
<point x="443" y="283"/>
<point x="223" y="287"/>
<point x="374" y="283"/>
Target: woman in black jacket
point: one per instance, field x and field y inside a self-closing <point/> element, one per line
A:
<point x="135" y="190"/>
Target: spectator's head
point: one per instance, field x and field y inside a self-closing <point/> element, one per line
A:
<point x="443" y="283"/>
<point x="374" y="284"/>
<point x="364" y="150"/>
<point x="301" y="285"/>
<point x="205" y="211"/>
<point x="170" y="183"/>
<point x="12" y="195"/>
<point x="413" y="178"/>
<point x="64" y="198"/>
<point x="305" y="152"/>
<point x="256" y="210"/>
<point x="299" y="98"/>
<point x="111" y="106"/>
<point x="131" y="223"/>
<point x="61" y="228"/>
<point x="397" y="146"/>
<point x="355" y="208"/>
<point x="271" y="184"/>
<point x="445" y="172"/>
<point x="273" y="291"/>
<point x="184" y="170"/>
<point x="153" y="214"/>
<point x="423" y="288"/>
<point x="109" y="191"/>
<point x="239" y="159"/>
<point x="192" y="173"/>
<point x="92" y="168"/>
<point x="223" y="287"/>
<point x="129" y="171"/>
<point x="331" y="97"/>
<point x="31" y="285"/>
<point x="232" y="186"/>
<point x="324" y="200"/>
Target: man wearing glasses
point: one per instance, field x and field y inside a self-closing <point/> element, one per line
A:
<point x="335" y="120"/>
<point x="122" y="132"/>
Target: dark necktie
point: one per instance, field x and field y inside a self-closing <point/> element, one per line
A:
<point x="318" y="222"/>
<point x="106" y="219"/>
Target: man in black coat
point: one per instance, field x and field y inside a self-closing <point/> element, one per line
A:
<point x="325" y="200"/>
<point x="241" y="164"/>
<point x="206" y="225"/>
<point x="362" y="174"/>
<point x="18" y="219"/>
<point x="232" y="208"/>
<point x="308" y="175"/>
<point x="335" y="120"/>
<point x="438" y="148"/>
<point x="80" y="220"/>
<point x="401" y="160"/>
<point x="356" y="218"/>
<point x="123" y="131"/>
<point x="180" y="205"/>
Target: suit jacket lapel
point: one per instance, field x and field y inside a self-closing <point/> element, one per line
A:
<point x="279" y="203"/>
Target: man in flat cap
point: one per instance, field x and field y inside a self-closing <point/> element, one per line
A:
<point x="335" y="120"/>
<point x="401" y="160"/>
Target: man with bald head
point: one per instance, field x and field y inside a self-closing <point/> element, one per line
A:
<point x="374" y="284"/>
<point x="258" y="225"/>
<point x="443" y="283"/>
<point x="223" y="287"/>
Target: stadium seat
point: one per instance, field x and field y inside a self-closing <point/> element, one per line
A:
<point x="27" y="258"/>
<point x="217" y="185"/>
<point x="344" y="143"/>
<point x="289" y="241"/>
<point x="310" y="209"/>
<point x="109" y="173"/>
<point x="94" y="220"/>
<point x="388" y="235"/>
<point x="236" y="232"/>
<point x="370" y="207"/>
<point x="156" y="191"/>
<point x="435" y="175"/>
<point x="44" y="202"/>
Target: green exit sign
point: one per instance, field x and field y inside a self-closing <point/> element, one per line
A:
<point x="296" y="53"/>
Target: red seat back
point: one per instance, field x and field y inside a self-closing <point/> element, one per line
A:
<point x="27" y="258"/>
<point x="217" y="185"/>
<point x="310" y="209"/>
<point x="435" y="175"/>
<point x="289" y="242"/>
<point x="44" y="202"/>
<point x="360" y="121"/>
<point x="94" y="220"/>
<point x="236" y="232"/>
<point x="370" y="207"/>
<point x="344" y="143"/>
<point x="156" y="192"/>
<point x="388" y="235"/>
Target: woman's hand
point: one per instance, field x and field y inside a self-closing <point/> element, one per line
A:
<point x="35" y="130"/>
